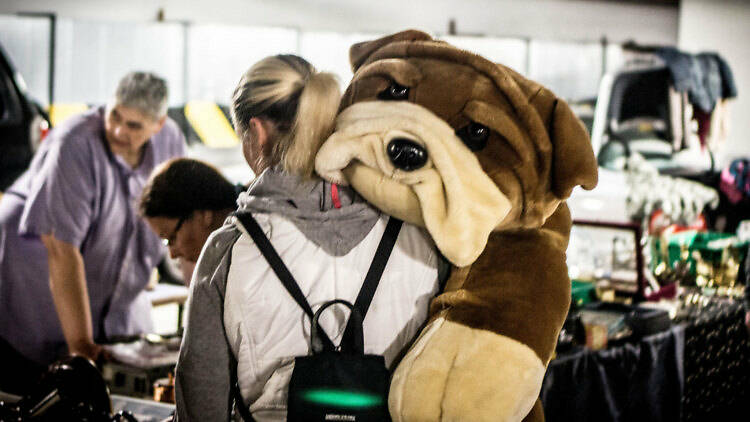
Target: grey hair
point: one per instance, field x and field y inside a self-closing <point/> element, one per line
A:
<point x="298" y="99"/>
<point x="143" y="91"/>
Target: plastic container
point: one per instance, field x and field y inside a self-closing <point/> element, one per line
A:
<point x="646" y="321"/>
<point x="582" y="292"/>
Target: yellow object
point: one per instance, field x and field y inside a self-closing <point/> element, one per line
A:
<point x="60" y="112"/>
<point x="210" y="124"/>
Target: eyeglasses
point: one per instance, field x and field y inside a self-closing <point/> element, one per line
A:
<point x="171" y="239"/>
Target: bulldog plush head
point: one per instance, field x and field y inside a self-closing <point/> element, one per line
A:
<point x="448" y="140"/>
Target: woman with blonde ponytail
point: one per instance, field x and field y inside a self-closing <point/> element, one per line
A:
<point x="283" y="109"/>
<point x="243" y="328"/>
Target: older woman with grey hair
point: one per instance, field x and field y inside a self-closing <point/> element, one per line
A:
<point x="74" y="254"/>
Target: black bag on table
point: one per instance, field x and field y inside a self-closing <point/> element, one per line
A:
<point x="334" y="383"/>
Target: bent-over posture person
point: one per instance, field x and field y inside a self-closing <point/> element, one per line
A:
<point x="74" y="255"/>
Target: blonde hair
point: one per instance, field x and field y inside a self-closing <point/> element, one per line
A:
<point x="301" y="101"/>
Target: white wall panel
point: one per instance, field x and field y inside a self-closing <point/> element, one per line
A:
<point x="615" y="57"/>
<point x="26" y="41"/>
<point x="219" y="55"/>
<point x="329" y="51"/>
<point x="509" y="51"/>
<point x="571" y="70"/>
<point x="92" y="56"/>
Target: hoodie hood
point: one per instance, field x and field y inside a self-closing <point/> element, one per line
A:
<point x="309" y="205"/>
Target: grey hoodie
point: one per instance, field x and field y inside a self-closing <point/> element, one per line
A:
<point x="309" y="205"/>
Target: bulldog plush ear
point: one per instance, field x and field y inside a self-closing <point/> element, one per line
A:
<point x="573" y="160"/>
<point x="358" y="53"/>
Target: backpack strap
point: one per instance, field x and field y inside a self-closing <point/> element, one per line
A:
<point x="355" y="319"/>
<point x="278" y="267"/>
<point x="239" y="402"/>
<point x="372" y="279"/>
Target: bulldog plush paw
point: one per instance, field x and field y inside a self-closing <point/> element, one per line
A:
<point x="457" y="373"/>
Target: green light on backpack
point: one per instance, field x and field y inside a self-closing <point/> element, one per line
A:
<point x="341" y="398"/>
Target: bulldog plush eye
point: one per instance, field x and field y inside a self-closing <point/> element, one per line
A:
<point x="474" y="135"/>
<point x="394" y="92"/>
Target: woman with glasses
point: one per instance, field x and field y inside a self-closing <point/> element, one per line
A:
<point x="183" y="201"/>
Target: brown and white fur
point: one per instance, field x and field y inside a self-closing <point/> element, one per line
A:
<point x="495" y="209"/>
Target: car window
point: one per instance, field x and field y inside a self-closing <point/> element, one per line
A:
<point x="10" y="107"/>
<point x="3" y="100"/>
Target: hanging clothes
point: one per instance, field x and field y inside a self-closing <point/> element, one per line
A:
<point x="708" y="81"/>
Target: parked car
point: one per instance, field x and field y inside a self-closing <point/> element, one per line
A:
<point x="638" y="111"/>
<point x="23" y="123"/>
<point x="646" y="149"/>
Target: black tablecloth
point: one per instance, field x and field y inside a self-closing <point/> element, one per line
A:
<point x="639" y="381"/>
<point x="717" y="363"/>
<point x="699" y="370"/>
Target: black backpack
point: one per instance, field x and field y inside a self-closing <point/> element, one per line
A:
<point x="333" y="383"/>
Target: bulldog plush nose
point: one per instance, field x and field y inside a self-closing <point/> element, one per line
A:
<point x="406" y="154"/>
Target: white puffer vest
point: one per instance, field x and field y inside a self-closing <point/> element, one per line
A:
<point x="266" y="328"/>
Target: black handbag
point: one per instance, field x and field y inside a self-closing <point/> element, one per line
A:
<point x="333" y="383"/>
<point x="339" y="385"/>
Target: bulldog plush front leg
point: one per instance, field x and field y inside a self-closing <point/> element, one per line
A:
<point x="457" y="373"/>
<point x="483" y="355"/>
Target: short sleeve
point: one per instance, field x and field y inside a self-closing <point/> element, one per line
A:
<point x="177" y="140"/>
<point x="60" y="199"/>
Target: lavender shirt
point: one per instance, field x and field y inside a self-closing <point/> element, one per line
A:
<point x="78" y="190"/>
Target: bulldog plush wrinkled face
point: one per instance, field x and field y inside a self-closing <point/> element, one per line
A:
<point x="445" y="139"/>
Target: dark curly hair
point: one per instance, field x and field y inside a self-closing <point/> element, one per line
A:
<point x="180" y="186"/>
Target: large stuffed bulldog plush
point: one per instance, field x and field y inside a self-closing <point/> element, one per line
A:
<point x="484" y="159"/>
